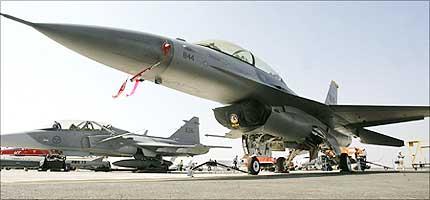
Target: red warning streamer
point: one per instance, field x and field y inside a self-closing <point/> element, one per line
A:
<point x="165" y="47"/>
<point x="121" y="89"/>
<point x="136" y="82"/>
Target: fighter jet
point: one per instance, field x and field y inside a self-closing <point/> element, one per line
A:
<point x="85" y="138"/>
<point x="260" y="107"/>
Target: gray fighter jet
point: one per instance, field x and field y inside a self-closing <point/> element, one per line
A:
<point x="84" y="138"/>
<point x="260" y="107"/>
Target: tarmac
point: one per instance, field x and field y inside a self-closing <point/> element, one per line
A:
<point x="18" y="184"/>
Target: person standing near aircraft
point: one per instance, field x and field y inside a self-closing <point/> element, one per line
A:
<point x="235" y="162"/>
<point x="357" y="158"/>
<point x="210" y="164"/>
<point x="364" y="155"/>
<point x="400" y="163"/>
<point x="180" y="165"/>
<point x="190" y="172"/>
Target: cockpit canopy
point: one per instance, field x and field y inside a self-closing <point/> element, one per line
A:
<point x="239" y="53"/>
<point x="82" y="125"/>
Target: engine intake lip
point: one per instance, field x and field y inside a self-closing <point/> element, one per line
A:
<point x="245" y="116"/>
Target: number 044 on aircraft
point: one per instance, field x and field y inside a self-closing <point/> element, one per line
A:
<point x="260" y="107"/>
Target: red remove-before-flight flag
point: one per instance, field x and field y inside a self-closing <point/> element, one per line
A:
<point x="121" y="89"/>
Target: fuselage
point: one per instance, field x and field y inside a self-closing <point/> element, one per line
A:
<point x="190" y="68"/>
<point x="215" y="70"/>
<point x="210" y="74"/>
<point x="83" y="143"/>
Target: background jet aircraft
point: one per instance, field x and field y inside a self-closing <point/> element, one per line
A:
<point x="260" y="107"/>
<point x="80" y="138"/>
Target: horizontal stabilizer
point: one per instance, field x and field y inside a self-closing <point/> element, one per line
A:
<point x="372" y="137"/>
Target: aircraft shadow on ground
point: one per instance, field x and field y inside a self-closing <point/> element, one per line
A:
<point x="294" y="175"/>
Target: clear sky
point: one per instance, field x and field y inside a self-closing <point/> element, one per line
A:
<point x="378" y="52"/>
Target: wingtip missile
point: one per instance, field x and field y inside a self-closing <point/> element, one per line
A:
<point x="17" y="19"/>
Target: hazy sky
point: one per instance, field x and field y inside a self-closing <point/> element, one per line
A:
<point x="378" y="52"/>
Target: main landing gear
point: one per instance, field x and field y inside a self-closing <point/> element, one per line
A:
<point x="345" y="163"/>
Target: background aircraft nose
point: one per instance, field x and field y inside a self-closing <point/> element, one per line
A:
<point x="20" y="140"/>
<point x="127" y="51"/>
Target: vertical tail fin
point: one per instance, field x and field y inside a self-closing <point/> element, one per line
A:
<point x="331" y="98"/>
<point x="188" y="133"/>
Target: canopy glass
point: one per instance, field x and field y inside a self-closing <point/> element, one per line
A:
<point x="239" y="53"/>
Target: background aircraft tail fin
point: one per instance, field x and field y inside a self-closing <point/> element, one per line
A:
<point x="331" y="98"/>
<point x="188" y="133"/>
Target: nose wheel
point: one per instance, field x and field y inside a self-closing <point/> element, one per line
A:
<point x="253" y="165"/>
<point x="345" y="163"/>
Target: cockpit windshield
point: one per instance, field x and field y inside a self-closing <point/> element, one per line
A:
<point x="83" y="125"/>
<point x="239" y="53"/>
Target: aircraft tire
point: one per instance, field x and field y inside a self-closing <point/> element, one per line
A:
<point x="280" y="165"/>
<point x="253" y="166"/>
<point x="345" y="163"/>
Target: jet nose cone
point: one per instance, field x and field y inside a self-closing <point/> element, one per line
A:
<point x="127" y="51"/>
<point x="23" y="139"/>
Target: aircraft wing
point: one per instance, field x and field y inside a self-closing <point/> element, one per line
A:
<point x="344" y="115"/>
<point x="372" y="137"/>
<point x="357" y="116"/>
<point x="163" y="145"/>
<point x="114" y="137"/>
<point x="351" y="116"/>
